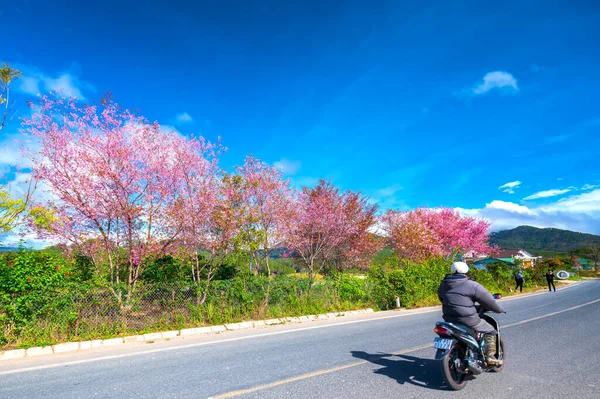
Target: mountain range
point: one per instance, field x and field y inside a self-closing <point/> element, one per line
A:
<point x="548" y="239"/>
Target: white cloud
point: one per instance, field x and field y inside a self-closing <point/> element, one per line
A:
<point x="578" y="213"/>
<point x="169" y="129"/>
<point x="184" y="117"/>
<point x="36" y="82"/>
<point x="30" y="240"/>
<point x="19" y="185"/>
<point x="497" y="80"/>
<point x="509" y="206"/>
<point x="387" y="198"/>
<point x="586" y="203"/>
<point x="288" y="167"/>
<point x="10" y="152"/>
<point x="587" y="187"/>
<point x="547" y="193"/>
<point x="30" y="85"/>
<point x="510" y="187"/>
<point x="378" y="228"/>
<point x="388" y="191"/>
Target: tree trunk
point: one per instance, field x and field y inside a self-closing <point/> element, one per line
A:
<point x="267" y="266"/>
<point x="266" y="301"/>
<point x="311" y="275"/>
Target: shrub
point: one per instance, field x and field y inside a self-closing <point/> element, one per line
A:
<point x="414" y="284"/>
<point x="502" y="277"/>
<point x="588" y="273"/>
<point x="350" y="288"/>
<point x="29" y="283"/>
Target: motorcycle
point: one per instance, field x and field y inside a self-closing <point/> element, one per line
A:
<point x="461" y="351"/>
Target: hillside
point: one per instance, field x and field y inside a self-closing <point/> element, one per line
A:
<point x="534" y="239"/>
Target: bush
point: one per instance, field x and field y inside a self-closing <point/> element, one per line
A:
<point x="588" y="273"/>
<point x="502" y="277"/>
<point x="488" y="281"/>
<point x="350" y="288"/>
<point x="414" y="284"/>
<point x="44" y="298"/>
<point x="29" y="284"/>
<point x="282" y="266"/>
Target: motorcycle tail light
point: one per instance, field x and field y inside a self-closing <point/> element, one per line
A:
<point x="442" y="330"/>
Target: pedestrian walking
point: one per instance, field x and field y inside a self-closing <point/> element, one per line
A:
<point x="550" y="279"/>
<point x="519" y="280"/>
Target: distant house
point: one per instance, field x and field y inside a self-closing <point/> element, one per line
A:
<point x="583" y="264"/>
<point x="510" y="255"/>
<point x="471" y="256"/>
<point x="483" y="263"/>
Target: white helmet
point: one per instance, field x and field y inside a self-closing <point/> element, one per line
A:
<point x="459" y="267"/>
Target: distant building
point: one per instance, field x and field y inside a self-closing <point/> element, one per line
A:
<point x="583" y="264"/>
<point x="471" y="256"/>
<point x="483" y="263"/>
<point x="511" y="255"/>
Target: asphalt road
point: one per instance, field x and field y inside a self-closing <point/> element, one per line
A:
<point x="553" y="351"/>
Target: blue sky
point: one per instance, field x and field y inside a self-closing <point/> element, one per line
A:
<point x="414" y="104"/>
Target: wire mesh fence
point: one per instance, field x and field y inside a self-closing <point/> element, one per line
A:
<point x="81" y="312"/>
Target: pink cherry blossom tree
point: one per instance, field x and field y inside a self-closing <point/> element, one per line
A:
<point x="116" y="182"/>
<point x="426" y="232"/>
<point x="330" y="228"/>
<point x="317" y="228"/>
<point x="198" y="196"/>
<point x="409" y="236"/>
<point x="268" y="198"/>
<point x="226" y="221"/>
<point x="213" y="219"/>
<point x="457" y="234"/>
<point x="359" y="244"/>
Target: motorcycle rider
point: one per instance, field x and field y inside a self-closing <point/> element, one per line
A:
<point x="458" y="295"/>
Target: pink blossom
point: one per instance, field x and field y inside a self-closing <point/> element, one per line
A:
<point x="425" y="232"/>
<point x="116" y="182"/>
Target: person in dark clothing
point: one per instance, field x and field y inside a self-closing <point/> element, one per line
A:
<point x="520" y="280"/>
<point x="458" y="295"/>
<point x="550" y="279"/>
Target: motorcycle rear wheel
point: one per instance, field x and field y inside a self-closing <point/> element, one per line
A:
<point x="454" y="377"/>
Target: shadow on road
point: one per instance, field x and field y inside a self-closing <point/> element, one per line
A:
<point x="407" y="369"/>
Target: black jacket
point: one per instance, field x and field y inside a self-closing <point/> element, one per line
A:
<point x="459" y="294"/>
<point x="550" y="276"/>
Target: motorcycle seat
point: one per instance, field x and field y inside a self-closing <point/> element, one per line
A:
<point x="460" y="327"/>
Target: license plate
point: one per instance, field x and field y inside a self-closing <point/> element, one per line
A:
<point x="442" y="343"/>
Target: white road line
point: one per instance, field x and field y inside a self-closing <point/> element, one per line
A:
<point x="551" y="314"/>
<point x="240" y="392"/>
<point x="317" y="373"/>
<point x="173" y="348"/>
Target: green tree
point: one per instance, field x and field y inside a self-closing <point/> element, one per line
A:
<point x="11" y="209"/>
<point x="14" y="210"/>
<point x="8" y="76"/>
<point x="593" y="254"/>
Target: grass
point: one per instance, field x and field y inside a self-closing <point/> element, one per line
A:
<point x="46" y="332"/>
<point x="49" y="331"/>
